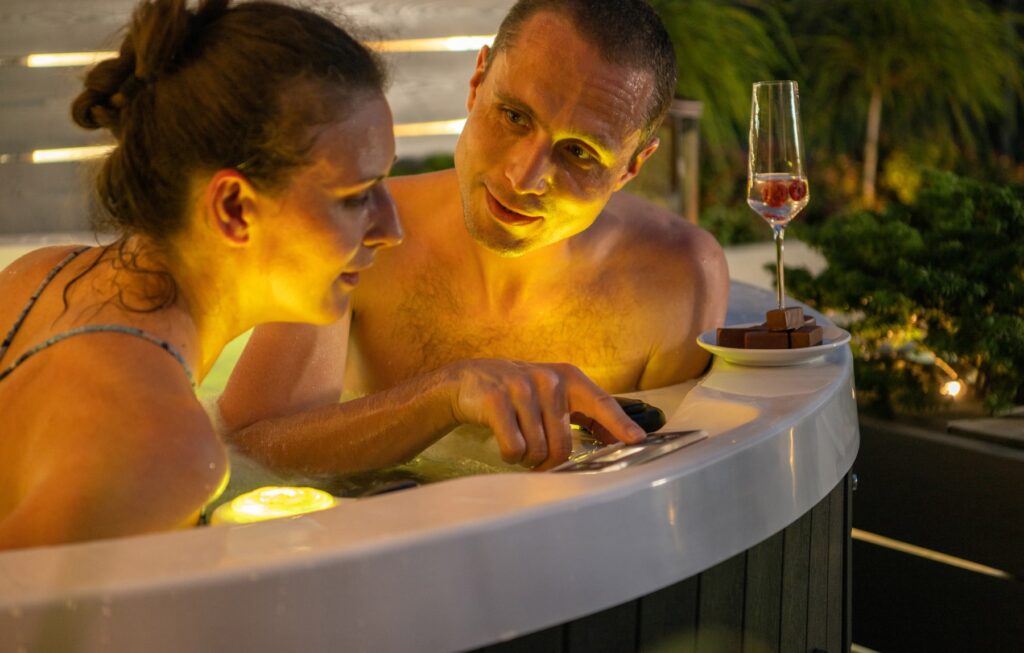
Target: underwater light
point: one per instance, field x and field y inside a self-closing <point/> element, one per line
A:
<point x="271" y="502"/>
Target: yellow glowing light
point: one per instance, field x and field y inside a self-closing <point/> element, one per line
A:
<point x="406" y="130"/>
<point x="65" y="59"/>
<point x="440" y="44"/>
<point x="929" y="554"/>
<point x="70" y="154"/>
<point x="272" y="502"/>
<point x="467" y="43"/>
<point x="952" y="388"/>
<point x="436" y="128"/>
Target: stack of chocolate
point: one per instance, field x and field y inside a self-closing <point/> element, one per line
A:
<point x="783" y="328"/>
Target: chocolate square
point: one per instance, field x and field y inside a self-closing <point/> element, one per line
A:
<point x="732" y="336"/>
<point x="767" y="340"/>
<point x="784" y="319"/>
<point x="806" y="336"/>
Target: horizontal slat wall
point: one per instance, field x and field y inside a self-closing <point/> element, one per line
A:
<point x="34" y="102"/>
<point x="76" y="25"/>
<point x="789" y="593"/>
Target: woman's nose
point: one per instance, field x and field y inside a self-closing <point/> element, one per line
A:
<point x="385" y="230"/>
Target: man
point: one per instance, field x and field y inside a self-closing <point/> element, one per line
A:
<point x="526" y="250"/>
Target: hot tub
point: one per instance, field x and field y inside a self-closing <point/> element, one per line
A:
<point x="486" y="559"/>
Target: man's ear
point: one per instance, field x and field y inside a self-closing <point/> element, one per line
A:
<point x="638" y="162"/>
<point x="230" y="206"/>
<point x="478" y="76"/>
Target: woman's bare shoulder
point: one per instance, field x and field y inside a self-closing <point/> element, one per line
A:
<point x="22" y="276"/>
<point x="44" y="258"/>
<point x="131" y="452"/>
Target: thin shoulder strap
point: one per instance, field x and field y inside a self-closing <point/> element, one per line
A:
<point x="91" y="328"/>
<point x="99" y="328"/>
<point x="35" y="296"/>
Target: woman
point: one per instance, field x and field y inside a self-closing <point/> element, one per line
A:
<point x="245" y="188"/>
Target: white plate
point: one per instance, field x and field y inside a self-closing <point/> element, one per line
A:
<point x="832" y="338"/>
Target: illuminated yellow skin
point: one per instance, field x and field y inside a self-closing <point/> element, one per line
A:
<point x="102" y="435"/>
<point x="606" y="282"/>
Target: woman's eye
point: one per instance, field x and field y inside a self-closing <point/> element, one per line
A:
<point x="356" y="201"/>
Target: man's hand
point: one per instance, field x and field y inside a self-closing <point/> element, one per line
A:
<point x="528" y="406"/>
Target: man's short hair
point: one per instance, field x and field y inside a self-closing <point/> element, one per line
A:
<point x="625" y="32"/>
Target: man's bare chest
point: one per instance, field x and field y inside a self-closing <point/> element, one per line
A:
<point x="414" y="332"/>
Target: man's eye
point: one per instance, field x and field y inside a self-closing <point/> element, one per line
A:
<point x="514" y="117"/>
<point x="580" y="152"/>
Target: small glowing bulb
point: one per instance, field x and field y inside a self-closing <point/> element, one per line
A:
<point x="951" y="389"/>
<point x="271" y="503"/>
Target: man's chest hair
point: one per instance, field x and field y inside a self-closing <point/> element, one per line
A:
<point x="431" y="325"/>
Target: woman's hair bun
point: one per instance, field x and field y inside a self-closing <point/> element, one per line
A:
<point x="159" y="38"/>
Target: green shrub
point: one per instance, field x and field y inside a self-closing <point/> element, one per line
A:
<point x="429" y="163"/>
<point x="942" y="275"/>
<point x="734" y="225"/>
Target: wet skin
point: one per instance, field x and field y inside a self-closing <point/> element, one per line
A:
<point x="526" y="250"/>
<point x="105" y="436"/>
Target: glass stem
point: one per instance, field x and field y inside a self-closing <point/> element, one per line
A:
<point x="779" y="231"/>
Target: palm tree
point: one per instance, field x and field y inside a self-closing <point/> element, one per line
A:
<point x="722" y="47"/>
<point x="940" y="68"/>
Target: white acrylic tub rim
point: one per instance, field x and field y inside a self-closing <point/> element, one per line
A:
<point x="642" y="528"/>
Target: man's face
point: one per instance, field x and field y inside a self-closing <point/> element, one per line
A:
<point x="551" y="134"/>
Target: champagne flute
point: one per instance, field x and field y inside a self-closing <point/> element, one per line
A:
<point x="776" y="184"/>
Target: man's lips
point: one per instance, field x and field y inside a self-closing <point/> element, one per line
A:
<point x="507" y="215"/>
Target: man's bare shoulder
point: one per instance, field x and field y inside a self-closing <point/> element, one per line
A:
<point x="649" y="230"/>
<point x="418" y="195"/>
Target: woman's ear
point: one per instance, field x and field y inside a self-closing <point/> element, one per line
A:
<point x="230" y="206"/>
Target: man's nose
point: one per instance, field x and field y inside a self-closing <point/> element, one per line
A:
<point x="385" y="230"/>
<point x="530" y="169"/>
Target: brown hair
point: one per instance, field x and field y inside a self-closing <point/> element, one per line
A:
<point x="625" y="32"/>
<point x="215" y="87"/>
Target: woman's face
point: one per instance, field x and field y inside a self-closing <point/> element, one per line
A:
<point x="329" y="221"/>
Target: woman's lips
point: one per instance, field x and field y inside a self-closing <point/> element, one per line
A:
<point x="349" y="278"/>
<point x="508" y="216"/>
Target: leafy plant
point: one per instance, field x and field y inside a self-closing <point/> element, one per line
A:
<point x="908" y="72"/>
<point x="938" y="280"/>
<point x="723" y="47"/>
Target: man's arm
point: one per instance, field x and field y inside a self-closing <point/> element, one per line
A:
<point x="699" y="286"/>
<point x="526" y="405"/>
<point x="684" y="278"/>
<point x="285" y="368"/>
